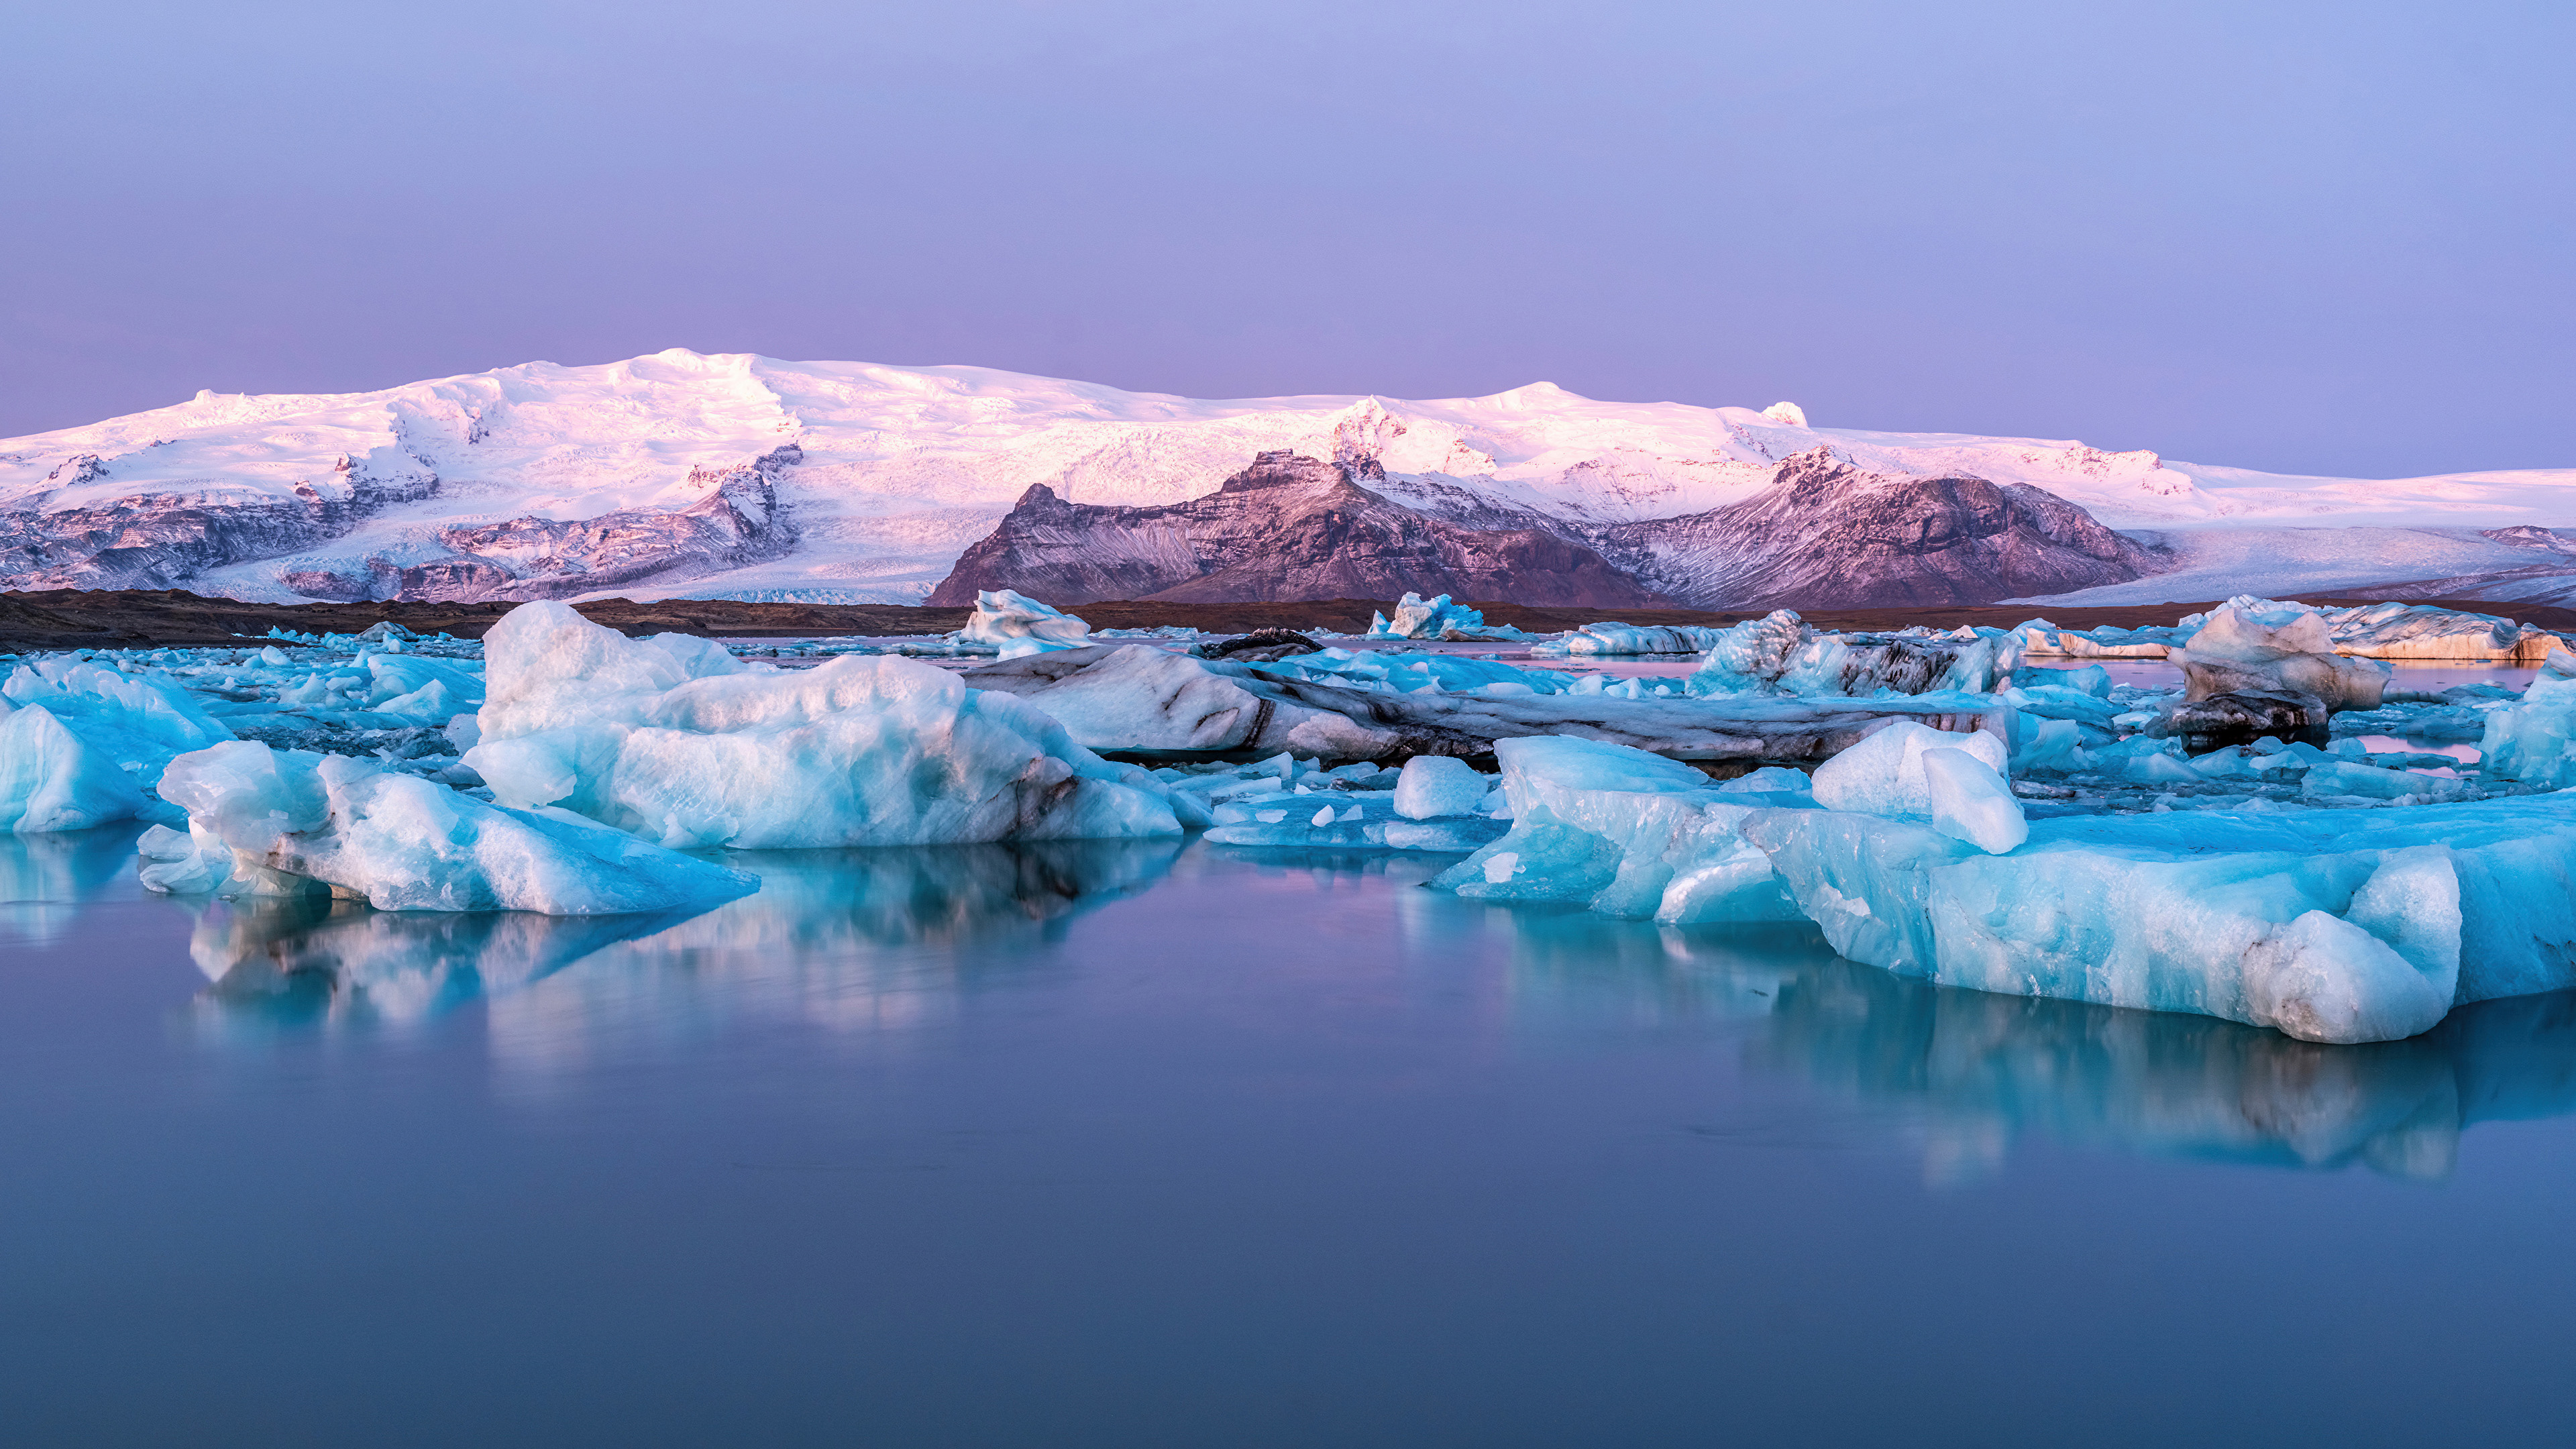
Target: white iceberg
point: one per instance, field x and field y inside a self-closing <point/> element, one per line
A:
<point x="2534" y="741"/>
<point x="1780" y="654"/>
<point x="2331" y="925"/>
<point x="81" y="741"/>
<point x="1436" y="785"/>
<point x="290" y="822"/>
<point x="1437" y="618"/>
<point x="1612" y="637"/>
<point x="1135" y="698"/>
<point x="674" y="740"/>
<point x="1015" y="624"/>
<point x="2251" y="644"/>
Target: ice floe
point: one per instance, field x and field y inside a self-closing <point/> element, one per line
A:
<point x="673" y="739"/>
<point x="1781" y="653"/>
<point x="1437" y="618"/>
<point x="2333" y="925"/>
<point x="1139" y="700"/>
<point x="291" y="822"/>
<point x="1013" y="624"/>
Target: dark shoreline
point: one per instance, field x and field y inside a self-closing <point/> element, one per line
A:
<point x="118" y="619"/>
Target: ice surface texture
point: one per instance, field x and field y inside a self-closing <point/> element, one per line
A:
<point x="2331" y="925"/>
<point x="290" y="822"/>
<point x="673" y="739"/>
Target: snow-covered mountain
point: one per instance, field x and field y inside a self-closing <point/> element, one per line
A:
<point x="741" y="476"/>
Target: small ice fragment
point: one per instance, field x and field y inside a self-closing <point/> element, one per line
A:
<point x="1501" y="867"/>
<point x="1435" y="785"/>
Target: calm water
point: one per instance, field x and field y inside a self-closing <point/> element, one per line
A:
<point x="1140" y="1146"/>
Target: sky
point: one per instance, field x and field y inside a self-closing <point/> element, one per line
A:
<point x="2330" y="238"/>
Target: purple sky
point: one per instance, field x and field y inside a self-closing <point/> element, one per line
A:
<point x="2331" y="237"/>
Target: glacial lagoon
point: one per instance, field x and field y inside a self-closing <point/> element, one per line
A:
<point x="1150" y="1143"/>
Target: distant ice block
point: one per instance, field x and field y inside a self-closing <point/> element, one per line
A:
<point x="1781" y="654"/>
<point x="286" y="822"/>
<point x="674" y="740"/>
<point x="1611" y="637"/>
<point x="2251" y="644"/>
<point x="1436" y="618"/>
<point x="2330" y="925"/>
<point x="1016" y="624"/>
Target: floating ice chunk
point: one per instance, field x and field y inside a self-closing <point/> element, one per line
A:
<point x="1436" y="618"/>
<point x="1610" y="637"/>
<point x="52" y="779"/>
<point x="2346" y="925"/>
<point x="1436" y="785"/>
<point x="293" y="821"/>
<point x="1884" y="774"/>
<point x="684" y="746"/>
<point x="130" y="720"/>
<point x="2255" y="644"/>
<point x="1019" y="625"/>
<point x="1779" y="653"/>
<point x="2535" y="740"/>
<point x="1971" y="802"/>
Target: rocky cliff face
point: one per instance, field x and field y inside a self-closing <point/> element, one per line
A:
<point x="739" y="522"/>
<point x="1288" y="527"/>
<point x="1827" y="534"/>
<point x="156" y="539"/>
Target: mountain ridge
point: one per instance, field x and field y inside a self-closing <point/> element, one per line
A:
<point x="459" y="483"/>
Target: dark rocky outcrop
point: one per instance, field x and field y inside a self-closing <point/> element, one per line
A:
<point x="1288" y="527"/>
<point x="738" y="522"/>
<point x="154" y="540"/>
<point x="2246" y="716"/>
<point x="1826" y="534"/>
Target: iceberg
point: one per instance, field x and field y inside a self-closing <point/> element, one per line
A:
<point x="1781" y="654"/>
<point x="2534" y="741"/>
<point x="290" y="822"/>
<point x="2388" y="630"/>
<point x="2251" y="644"/>
<point x="1436" y="618"/>
<point x="51" y="779"/>
<point x="1610" y="637"/>
<point x="1140" y="700"/>
<point x="674" y="740"/>
<point x="2329" y="925"/>
<point x="1015" y="624"/>
<point x="1436" y="785"/>
<point x="80" y="742"/>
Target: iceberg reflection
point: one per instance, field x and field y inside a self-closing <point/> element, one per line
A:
<point x="1991" y="1067"/>
<point x="820" y="924"/>
<point x="1978" y="1071"/>
<point x="44" y="878"/>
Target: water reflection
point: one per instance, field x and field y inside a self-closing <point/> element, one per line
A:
<point x="45" y="878"/>
<point x="1977" y="1071"/>
<point x="819" y="924"/>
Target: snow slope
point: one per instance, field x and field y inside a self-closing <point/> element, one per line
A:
<point x="893" y="471"/>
